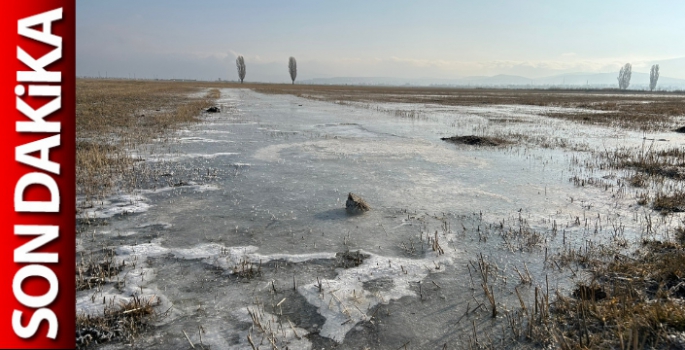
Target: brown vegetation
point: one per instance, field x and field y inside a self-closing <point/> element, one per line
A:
<point x="630" y="302"/>
<point x="119" y="322"/>
<point x="670" y="202"/>
<point x="113" y="116"/>
<point x="92" y="273"/>
<point x="651" y="167"/>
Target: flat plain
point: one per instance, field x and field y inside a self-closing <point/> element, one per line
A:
<point x="499" y="218"/>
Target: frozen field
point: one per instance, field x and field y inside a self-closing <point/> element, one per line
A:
<point x="242" y="232"/>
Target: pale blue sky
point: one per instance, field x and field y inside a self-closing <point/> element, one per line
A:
<point x="406" y="39"/>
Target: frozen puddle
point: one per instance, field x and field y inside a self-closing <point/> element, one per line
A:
<point x="241" y="230"/>
<point x="343" y="301"/>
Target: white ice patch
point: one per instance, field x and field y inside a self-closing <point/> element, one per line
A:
<point x="193" y="186"/>
<point x="228" y="258"/>
<point x="179" y="157"/>
<point x="124" y="204"/>
<point x="143" y="251"/>
<point x="344" y="302"/>
<point x="93" y="303"/>
<point x="120" y="233"/>
<point x="196" y="139"/>
<point x="205" y="188"/>
<point x="271" y="153"/>
<point x="218" y="255"/>
<point x="219" y="132"/>
<point x="292" y="258"/>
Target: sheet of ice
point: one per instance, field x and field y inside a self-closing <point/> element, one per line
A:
<point x="334" y="149"/>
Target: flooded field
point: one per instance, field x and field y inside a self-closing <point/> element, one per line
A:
<point x="237" y="236"/>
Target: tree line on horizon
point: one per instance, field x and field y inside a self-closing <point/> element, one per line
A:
<point x="623" y="78"/>
<point x="627" y="70"/>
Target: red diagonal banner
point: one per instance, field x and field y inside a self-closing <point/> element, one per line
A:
<point x="37" y="250"/>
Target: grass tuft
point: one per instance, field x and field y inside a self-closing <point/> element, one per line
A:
<point x="122" y="322"/>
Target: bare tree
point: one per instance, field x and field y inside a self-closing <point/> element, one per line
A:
<point x="240" y="63"/>
<point x="624" y="76"/>
<point x="653" y="77"/>
<point x="292" y="68"/>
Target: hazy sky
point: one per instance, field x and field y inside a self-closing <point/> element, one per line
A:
<point x="406" y="39"/>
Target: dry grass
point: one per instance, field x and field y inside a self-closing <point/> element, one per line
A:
<point x="122" y="322"/>
<point x="673" y="202"/>
<point x="680" y="235"/>
<point x="113" y="116"/>
<point x="651" y="167"/>
<point x="669" y="163"/>
<point x="631" y="302"/>
<point x="246" y="270"/>
<point x="92" y="273"/>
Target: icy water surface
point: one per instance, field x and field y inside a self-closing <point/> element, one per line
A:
<point x="244" y="231"/>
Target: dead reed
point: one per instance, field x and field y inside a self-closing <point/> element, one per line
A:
<point x="95" y="273"/>
<point x="629" y="302"/>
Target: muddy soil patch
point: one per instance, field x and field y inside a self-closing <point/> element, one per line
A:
<point x="474" y="140"/>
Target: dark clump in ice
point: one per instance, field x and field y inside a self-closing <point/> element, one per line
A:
<point x="213" y="109"/>
<point x="116" y="323"/>
<point x="356" y="204"/>
<point x="90" y="335"/>
<point x="474" y="140"/>
<point x="680" y="130"/>
<point x="350" y="259"/>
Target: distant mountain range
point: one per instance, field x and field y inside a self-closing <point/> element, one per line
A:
<point x="639" y="81"/>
